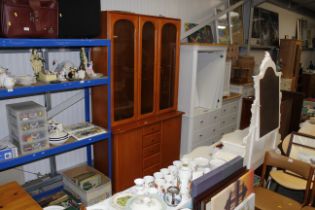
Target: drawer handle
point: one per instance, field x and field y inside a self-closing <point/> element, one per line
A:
<point x="200" y="135"/>
<point x="213" y="130"/>
<point x="201" y="121"/>
<point x="215" y="117"/>
<point x="223" y="122"/>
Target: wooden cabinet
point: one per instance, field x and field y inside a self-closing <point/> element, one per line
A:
<point x="145" y="147"/>
<point x="308" y="85"/>
<point x="290" y="56"/>
<point x="145" y="121"/>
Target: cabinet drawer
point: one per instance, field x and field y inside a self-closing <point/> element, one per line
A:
<point x="228" y="129"/>
<point x="214" y="116"/>
<point x="151" y="170"/>
<point x="151" y="139"/>
<point x="152" y="160"/>
<point x="228" y="120"/>
<point x="205" y="133"/>
<point x="151" y="150"/>
<point x="152" y="128"/>
<point x="201" y="121"/>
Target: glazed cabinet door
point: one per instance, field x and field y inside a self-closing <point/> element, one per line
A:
<point x="123" y="30"/>
<point x="148" y="35"/>
<point x="168" y="64"/>
<point x="127" y="158"/>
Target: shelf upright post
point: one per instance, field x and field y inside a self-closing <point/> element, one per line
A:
<point x="88" y="119"/>
<point x="109" y="150"/>
<point x="52" y="159"/>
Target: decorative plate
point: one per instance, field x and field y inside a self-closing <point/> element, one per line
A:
<point x="119" y="200"/>
<point x="146" y="202"/>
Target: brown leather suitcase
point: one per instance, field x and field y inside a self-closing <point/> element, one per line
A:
<point x="29" y="18"/>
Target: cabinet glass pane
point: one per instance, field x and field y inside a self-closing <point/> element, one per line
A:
<point x="168" y="65"/>
<point x="147" y="68"/>
<point x="123" y="43"/>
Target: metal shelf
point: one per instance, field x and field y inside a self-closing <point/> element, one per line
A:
<point x="46" y="88"/>
<point x="41" y="88"/>
<point x="26" y="43"/>
<point x="11" y="163"/>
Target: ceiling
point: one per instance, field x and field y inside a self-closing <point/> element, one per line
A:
<point x="305" y="7"/>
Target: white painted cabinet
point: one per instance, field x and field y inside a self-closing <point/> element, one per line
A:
<point x="201" y="83"/>
<point x="201" y="78"/>
<point x="208" y="126"/>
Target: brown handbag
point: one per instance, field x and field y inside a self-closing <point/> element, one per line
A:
<point x="29" y="18"/>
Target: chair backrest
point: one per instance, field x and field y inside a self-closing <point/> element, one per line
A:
<point x="298" y="167"/>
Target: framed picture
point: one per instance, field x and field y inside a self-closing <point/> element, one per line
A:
<point x="247" y="204"/>
<point x="227" y="194"/>
<point x="203" y="35"/>
<point x="265" y="31"/>
<point x="302" y="147"/>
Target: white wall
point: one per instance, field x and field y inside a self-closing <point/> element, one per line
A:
<point x="186" y="10"/>
<point x="287" y="26"/>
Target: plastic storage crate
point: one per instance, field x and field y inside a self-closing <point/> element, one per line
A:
<point x="28" y="127"/>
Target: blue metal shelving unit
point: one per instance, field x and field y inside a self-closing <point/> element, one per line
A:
<point x="47" y="88"/>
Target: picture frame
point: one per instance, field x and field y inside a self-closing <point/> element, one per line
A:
<point x="203" y="35"/>
<point x="265" y="28"/>
<point x="302" y="147"/>
<point x="238" y="187"/>
<point x="247" y="204"/>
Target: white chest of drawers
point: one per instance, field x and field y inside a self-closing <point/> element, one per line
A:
<point x="207" y="126"/>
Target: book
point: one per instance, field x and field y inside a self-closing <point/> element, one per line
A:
<point x="84" y="130"/>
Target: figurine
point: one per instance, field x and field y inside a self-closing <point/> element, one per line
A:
<point x="84" y="59"/>
<point x="37" y="62"/>
<point x="41" y="74"/>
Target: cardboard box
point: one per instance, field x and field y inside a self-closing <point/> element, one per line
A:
<point x="94" y="194"/>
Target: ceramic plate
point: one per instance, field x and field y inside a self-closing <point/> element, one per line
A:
<point x="119" y="201"/>
<point x="147" y="202"/>
<point x="202" y="162"/>
<point x="54" y="208"/>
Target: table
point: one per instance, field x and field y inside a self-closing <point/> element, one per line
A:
<point x="105" y="205"/>
<point x="186" y="203"/>
<point x="13" y="197"/>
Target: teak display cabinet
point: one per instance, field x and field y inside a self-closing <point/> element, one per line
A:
<point x="145" y="120"/>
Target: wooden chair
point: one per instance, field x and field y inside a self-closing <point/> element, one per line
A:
<point x="285" y="179"/>
<point x="311" y="200"/>
<point x="270" y="200"/>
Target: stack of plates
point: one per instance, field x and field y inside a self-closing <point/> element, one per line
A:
<point x="26" y="80"/>
<point x="58" y="137"/>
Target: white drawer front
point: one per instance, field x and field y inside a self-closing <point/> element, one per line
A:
<point x="214" y="117"/>
<point x="229" y="120"/>
<point x="228" y="129"/>
<point x="201" y="121"/>
<point x="206" y="133"/>
<point x="229" y="108"/>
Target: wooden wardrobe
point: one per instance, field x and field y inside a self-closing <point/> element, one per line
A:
<point x="290" y="56"/>
<point x="146" y="125"/>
